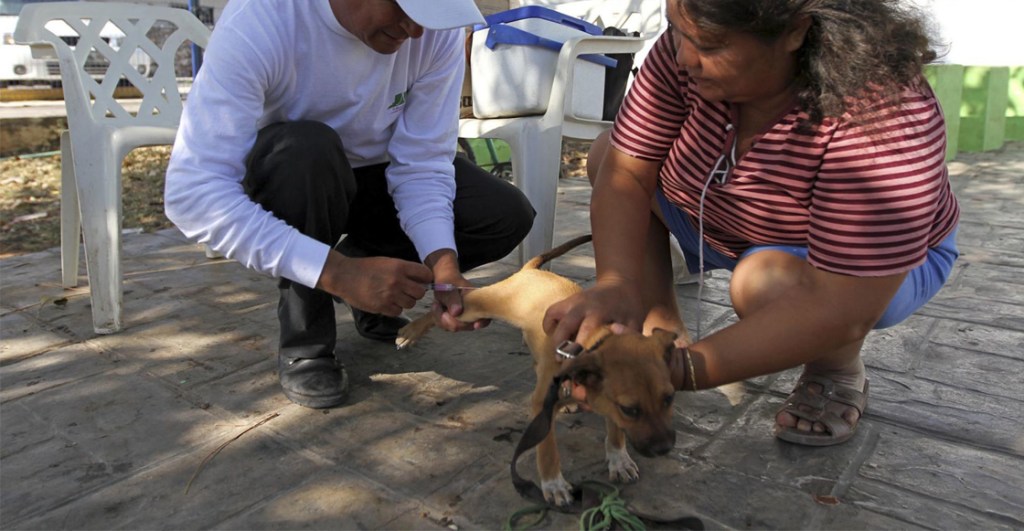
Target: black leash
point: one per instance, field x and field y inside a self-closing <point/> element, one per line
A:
<point x="534" y="434"/>
<point x="583" y="498"/>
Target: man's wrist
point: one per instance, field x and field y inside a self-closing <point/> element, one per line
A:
<point x="443" y="260"/>
<point x="328" y="275"/>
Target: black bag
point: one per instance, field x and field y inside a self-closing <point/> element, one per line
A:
<point x="615" y="79"/>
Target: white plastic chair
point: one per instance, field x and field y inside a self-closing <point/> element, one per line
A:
<point x="536" y="141"/>
<point x="101" y="131"/>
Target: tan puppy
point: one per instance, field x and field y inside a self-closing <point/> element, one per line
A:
<point x="626" y="376"/>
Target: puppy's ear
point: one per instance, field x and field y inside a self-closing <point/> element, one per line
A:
<point x="667" y="340"/>
<point x="586" y="371"/>
<point x="594" y="341"/>
<point x="664" y="336"/>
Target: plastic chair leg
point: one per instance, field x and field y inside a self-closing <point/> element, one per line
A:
<point x="210" y="253"/>
<point x="536" y="165"/>
<point x="98" y="172"/>
<point x="70" y="215"/>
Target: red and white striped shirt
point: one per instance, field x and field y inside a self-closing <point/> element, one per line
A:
<point x="864" y="202"/>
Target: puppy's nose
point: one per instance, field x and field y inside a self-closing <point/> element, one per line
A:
<point x="657" y="445"/>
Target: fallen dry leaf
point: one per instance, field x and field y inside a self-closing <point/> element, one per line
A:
<point x="826" y="500"/>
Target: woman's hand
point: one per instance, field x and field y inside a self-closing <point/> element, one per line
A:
<point x="620" y="213"/>
<point x="580" y="315"/>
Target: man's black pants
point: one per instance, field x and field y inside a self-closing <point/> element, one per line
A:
<point x="299" y="172"/>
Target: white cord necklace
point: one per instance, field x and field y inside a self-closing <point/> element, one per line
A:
<point x="722" y="174"/>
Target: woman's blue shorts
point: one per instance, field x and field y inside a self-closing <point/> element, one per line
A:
<point x="921" y="284"/>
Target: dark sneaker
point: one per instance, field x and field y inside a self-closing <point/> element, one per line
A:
<point x="313" y="382"/>
<point x="376" y="326"/>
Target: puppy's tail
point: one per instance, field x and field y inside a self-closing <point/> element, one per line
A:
<point x="545" y="257"/>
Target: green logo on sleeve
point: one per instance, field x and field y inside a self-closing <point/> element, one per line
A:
<point x="399" y="100"/>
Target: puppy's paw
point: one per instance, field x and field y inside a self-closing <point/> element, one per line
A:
<point x="621" y="467"/>
<point x="403" y="341"/>
<point x="570" y="408"/>
<point x="557" y="491"/>
<point x="410" y="333"/>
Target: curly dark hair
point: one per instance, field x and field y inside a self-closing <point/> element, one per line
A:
<point x="854" y="49"/>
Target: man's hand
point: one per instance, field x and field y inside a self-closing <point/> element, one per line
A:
<point x="377" y="284"/>
<point x="448" y="304"/>
<point x="446" y="309"/>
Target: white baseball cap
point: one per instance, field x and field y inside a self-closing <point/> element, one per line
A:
<point x="442" y="14"/>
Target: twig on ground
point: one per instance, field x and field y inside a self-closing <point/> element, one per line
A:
<point x="221" y="447"/>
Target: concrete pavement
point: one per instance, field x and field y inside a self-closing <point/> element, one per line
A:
<point x="110" y="431"/>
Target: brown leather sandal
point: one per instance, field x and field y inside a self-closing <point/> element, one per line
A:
<point x="826" y="407"/>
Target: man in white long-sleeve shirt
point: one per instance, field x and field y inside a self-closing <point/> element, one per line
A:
<point x="315" y="120"/>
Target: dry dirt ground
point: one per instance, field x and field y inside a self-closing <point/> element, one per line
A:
<point x="30" y="195"/>
<point x="30" y="198"/>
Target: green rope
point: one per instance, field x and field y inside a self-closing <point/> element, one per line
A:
<point x="609" y="514"/>
<point x="541" y="510"/>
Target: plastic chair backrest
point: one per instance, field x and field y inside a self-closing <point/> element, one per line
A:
<point x="645" y="17"/>
<point x="92" y="70"/>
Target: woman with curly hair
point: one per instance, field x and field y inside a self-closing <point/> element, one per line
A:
<point x="796" y="144"/>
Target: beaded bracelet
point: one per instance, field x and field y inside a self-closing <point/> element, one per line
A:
<point x="689" y="368"/>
